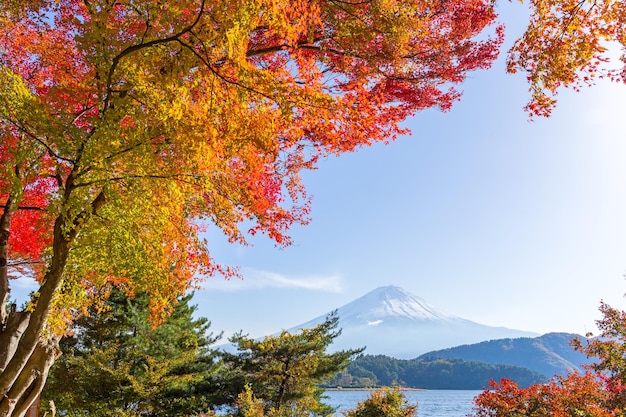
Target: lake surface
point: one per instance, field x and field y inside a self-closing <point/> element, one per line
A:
<point x="432" y="403"/>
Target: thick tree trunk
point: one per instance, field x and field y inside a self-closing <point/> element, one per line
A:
<point x="11" y="333"/>
<point x="51" y="282"/>
<point x="26" y="369"/>
<point x="5" y="220"/>
<point x="31" y="380"/>
<point x="26" y="358"/>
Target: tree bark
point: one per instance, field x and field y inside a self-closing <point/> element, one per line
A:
<point x="28" y="358"/>
<point x="31" y="380"/>
<point x="5" y="219"/>
<point x="49" y="352"/>
<point x="283" y="384"/>
<point x="29" y="339"/>
<point x="11" y="333"/>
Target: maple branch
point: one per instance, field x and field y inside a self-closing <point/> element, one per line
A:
<point x="211" y="68"/>
<point x="133" y="146"/>
<point x="311" y="46"/>
<point x="95" y="205"/>
<point x="573" y="13"/>
<point x="87" y="169"/>
<point x="359" y="18"/>
<point x="50" y="151"/>
<point x="134" y="48"/>
<point x="302" y="45"/>
<point x="80" y="152"/>
<point x="14" y="263"/>
<point x="176" y="177"/>
<point x="147" y="21"/>
<point x="220" y="76"/>
<point x="268" y="50"/>
<point x="82" y="113"/>
<point x="334" y="51"/>
<point x="8" y="206"/>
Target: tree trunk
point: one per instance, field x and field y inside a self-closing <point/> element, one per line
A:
<point x="31" y="380"/>
<point x="26" y="357"/>
<point x="11" y="333"/>
<point x="5" y="220"/>
<point x="29" y="339"/>
<point x="283" y="384"/>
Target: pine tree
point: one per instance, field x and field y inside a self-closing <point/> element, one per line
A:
<point x="120" y="364"/>
<point x="284" y="372"/>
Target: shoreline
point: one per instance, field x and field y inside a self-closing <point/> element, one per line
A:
<point x="374" y="389"/>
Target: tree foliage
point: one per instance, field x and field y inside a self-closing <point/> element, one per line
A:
<point x="387" y="402"/>
<point x="128" y="126"/>
<point x="609" y="349"/>
<point x="563" y="396"/>
<point x="568" y="44"/>
<point x="599" y="392"/>
<point x="284" y="372"/>
<point x="432" y="373"/>
<point x="120" y="365"/>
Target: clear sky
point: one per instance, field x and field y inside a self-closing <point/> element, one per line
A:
<point x="480" y="212"/>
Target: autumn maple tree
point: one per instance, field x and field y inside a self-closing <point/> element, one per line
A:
<point x="127" y="126"/>
<point x="569" y="43"/>
<point x="563" y="396"/>
<point x="599" y="392"/>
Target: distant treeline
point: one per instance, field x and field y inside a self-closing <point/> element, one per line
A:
<point x="369" y="371"/>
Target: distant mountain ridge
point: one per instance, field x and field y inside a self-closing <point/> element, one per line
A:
<point x="380" y="370"/>
<point x="549" y="354"/>
<point x="411" y="343"/>
<point x="524" y="360"/>
<point x="393" y="322"/>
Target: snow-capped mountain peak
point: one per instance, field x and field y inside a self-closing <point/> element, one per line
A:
<point x="394" y="322"/>
<point x="390" y="303"/>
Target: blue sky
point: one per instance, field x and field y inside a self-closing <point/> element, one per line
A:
<point x="480" y="212"/>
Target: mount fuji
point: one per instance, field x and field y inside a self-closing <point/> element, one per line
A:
<point x="393" y="322"/>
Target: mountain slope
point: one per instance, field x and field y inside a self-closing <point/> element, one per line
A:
<point x="382" y="370"/>
<point x="391" y="321"/>
<point x="549" y="354"/>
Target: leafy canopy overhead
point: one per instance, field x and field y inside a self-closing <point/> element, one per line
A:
<point x="568" y="43"/>
<point x="126" y="127"/>
<point x="127" y="124"/>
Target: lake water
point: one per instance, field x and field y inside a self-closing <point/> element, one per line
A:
<point x="435" y="403"/>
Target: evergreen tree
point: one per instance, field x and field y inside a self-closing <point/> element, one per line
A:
<point x="121" y="364"/>
<point x="284" y="372"/>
